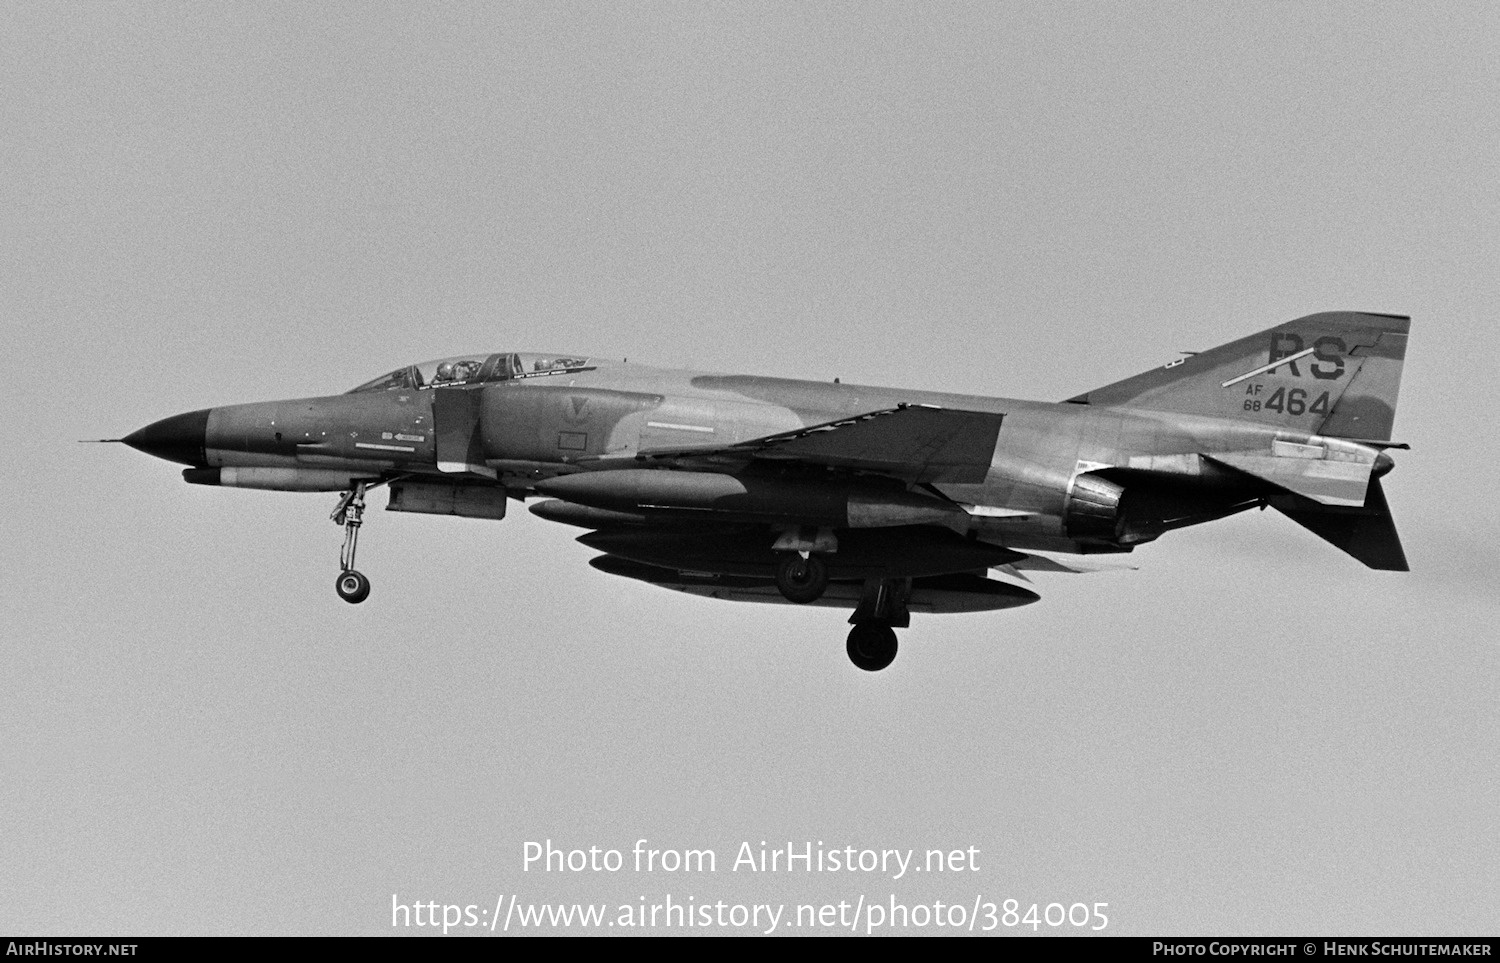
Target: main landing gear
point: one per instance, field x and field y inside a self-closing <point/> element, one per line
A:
<point x="352" y="586"/>
<point x="872" y="646"/>
<point x="881" y="610"/>
<point x="802" y="578"/>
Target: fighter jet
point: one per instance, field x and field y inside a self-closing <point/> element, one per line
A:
<point x="881" y="501"/>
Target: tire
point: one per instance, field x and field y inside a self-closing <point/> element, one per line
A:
<point x="352" y="587"/>
<point x="872" y="646"/>
<point x="802" y="580"/>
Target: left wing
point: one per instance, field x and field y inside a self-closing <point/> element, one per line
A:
<point x="918" y="443"/>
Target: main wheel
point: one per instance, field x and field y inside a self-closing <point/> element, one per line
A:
<point x="801" y="579"/>
<point x="872" y="646"/>
<point x="352" y="587"/>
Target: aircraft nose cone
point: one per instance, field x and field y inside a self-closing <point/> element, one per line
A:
<point x="178" y="438"/>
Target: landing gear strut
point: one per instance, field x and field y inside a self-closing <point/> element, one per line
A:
<point x="881" y="610"/>
<point x="352" y="586"/>
<point x="802" y="578"/>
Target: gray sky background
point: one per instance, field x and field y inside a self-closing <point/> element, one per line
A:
<point x="209" y="204"/>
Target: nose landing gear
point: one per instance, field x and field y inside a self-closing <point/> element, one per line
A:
<point x="353" y="587"/>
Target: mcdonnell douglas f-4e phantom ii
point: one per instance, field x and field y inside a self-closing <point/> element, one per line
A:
<point x="879" y="500"/>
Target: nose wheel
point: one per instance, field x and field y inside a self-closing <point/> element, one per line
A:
<point x="353" y="587"/>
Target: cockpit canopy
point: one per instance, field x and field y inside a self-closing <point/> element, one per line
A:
<point x="477" y="368"/>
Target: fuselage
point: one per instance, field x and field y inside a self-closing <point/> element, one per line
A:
<point x="885" y="501"/>
<point x="519" y="431"/>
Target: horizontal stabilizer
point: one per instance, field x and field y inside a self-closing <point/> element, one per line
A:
<point x="919" y="443"/>
<point x="1369" y="536"/>
<point x="1325" y="481"/>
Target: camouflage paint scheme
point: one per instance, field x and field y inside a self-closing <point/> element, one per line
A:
<point x="883" y="500"/>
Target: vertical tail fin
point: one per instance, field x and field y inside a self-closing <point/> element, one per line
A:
<point x="1336" y="373"/>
